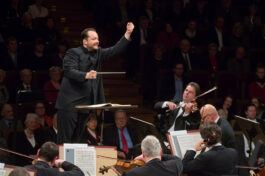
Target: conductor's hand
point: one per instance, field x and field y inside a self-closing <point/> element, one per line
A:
<point x="91" y="75"/>
<point x="58" y="163"/>
<point x="171" y="105"/>
<point x="129" y="30"/>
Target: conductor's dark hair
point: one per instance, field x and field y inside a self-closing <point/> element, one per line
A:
<point x="196" y="87"/>
<point x="84" y="34"/>
<point x="48" y="151"/>
<point x="211" y="133"/>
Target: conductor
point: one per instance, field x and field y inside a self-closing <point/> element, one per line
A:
<point x="81" y="85"/>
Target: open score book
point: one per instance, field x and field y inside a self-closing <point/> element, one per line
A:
<point x="181" y="141"/>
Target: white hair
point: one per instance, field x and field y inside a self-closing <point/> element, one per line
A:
<point x="30" y="116"/>
<point x="151" y="146"/>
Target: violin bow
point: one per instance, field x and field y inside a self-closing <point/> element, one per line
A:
<point x="208" y="91"/>
<point x="16" y="153"/>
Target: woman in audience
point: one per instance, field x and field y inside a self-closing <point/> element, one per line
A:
<point x="27" y="141"/>
<point x="259" y="107"/>
<point x="53" y="84"/>
<point x="4" y="94"/>
<point x="225" y="111"/>
<point x="90" y="135"/>
<point x="43" y="119"/>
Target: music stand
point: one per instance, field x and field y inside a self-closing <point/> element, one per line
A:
<point x="251" y="129"/>
<point x="103" y="107"/>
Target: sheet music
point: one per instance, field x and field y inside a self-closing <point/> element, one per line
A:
<point x="187" y="142"/>
<point x="85" y="159"/>
<point x="2" y="172"/>
<point x="2" y="165"/>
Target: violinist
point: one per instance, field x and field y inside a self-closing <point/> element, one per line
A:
<point x="181" y="115"/>
<point x="209" y="114"/>
<point x="157" y="164"/>
<point x="217" y="161"/>
<point x="47" y="158"/>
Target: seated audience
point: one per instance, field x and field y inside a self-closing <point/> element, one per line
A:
<point x="27" y="141"/>
<point x="4" y="93"/>
<point x="121" y="135"/>
<point x="53" y="84"/>
<point x="168" y="38"/>
<point x="50" y="132"/>
<point x="9" y="123"/>
<point x="218" y="160"/>
<point x="37" y="10"/>
<point x="11" y="58"/>
<point x="43" y="119"/>
<point x="56" y="57"/>
<point x="259" y="107"/>
<point x="225" y="111"/>
<point x="257" y="87"/>
<point x="47" y="158"/>
<point x="209" y="114"/>
<point x="156" y="163"/>
<point x="90" y="134"/>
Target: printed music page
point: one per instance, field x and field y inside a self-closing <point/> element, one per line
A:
<point x="2" y="172"/>
<point x="187" y="142"/>
<point x="85" y="158"/>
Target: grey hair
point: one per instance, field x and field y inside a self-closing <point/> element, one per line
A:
<point x="151" y="146"/>
<point x="30" y="116"/>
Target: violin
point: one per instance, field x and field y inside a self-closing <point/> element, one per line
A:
<point x="122" y="166"/>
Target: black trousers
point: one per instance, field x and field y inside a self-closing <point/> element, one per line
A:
<point x="71" y="126"/>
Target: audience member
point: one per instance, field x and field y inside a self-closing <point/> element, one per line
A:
<point x="43" y="119"/>
<point x="121" y="135"/>
<point x="48" y="32"/>
<point x="192" y="33"/>
<point x="36" y="58"/>
<point x="52" y="86"/>
<point x="245" y="147"/>
<point x="257" y="87"/>
<point x="179" y="118"/>
<point x="27" y="141"/>
<point x="47" y="158"/>
<point x="185" y="56"/>
<point x="168" y="37"/>
<point x="209" y="114"/>
<point x="173" y="84"/>
<point x="9" y="123"/>
<point x="218" y="160"/>
<point x="253" y="20"/>
<point x="37" y="10"/>
<point x="218" y="34"/>
<point x="4" y="93"/>
<point x="156" y="163"/>
<point x="148" y="10"/>
<point x="50" y="132"/>
<point x="225" y="111"/>
<point x="11" y="59"/>
<point x="56" y="57"/>
<point x="238" y="37"/>
<point x="240" y="63"/>
<point x="91" y="135"/>
<point x="259" y="107"/>
<point x="26" y="31"/>
<point x="212" y="61"/>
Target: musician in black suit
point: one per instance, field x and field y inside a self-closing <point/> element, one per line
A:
<point x="80" y="84"/>
<point x="209" y="114"/>
<point x="121" y="135"/>
<point x="48" y="157"/>
<point x="217" y="161"/>
<point x="157" y="164"/>
<point x="179" y="118"/>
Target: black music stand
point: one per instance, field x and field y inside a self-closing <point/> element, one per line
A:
<point x="103" y="107"/>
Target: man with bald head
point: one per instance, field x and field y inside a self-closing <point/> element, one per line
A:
<point x="209" y="114"/>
